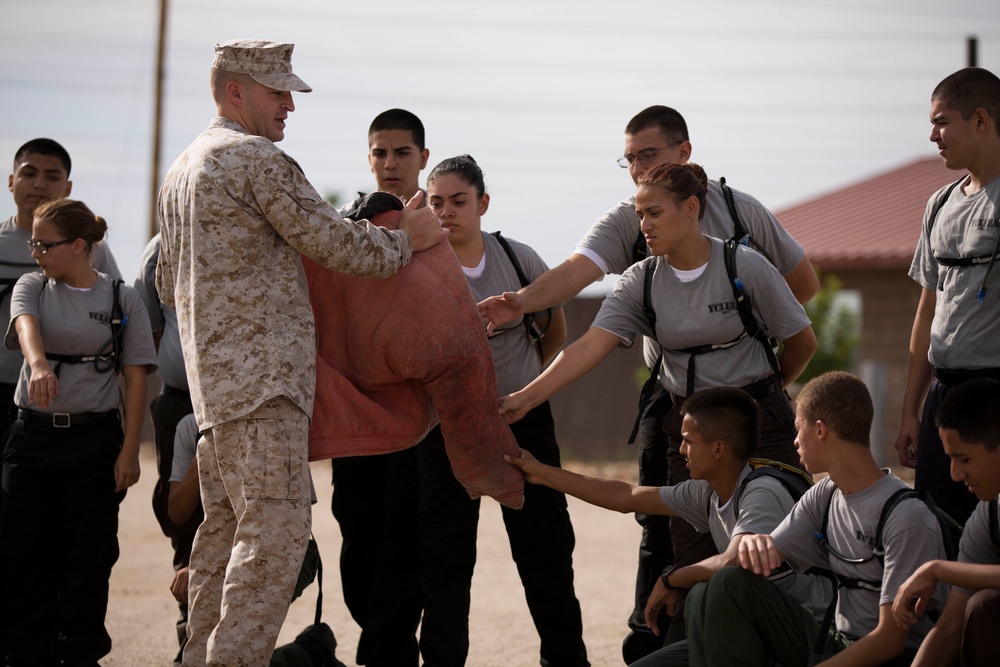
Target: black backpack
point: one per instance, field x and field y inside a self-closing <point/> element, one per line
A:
<point x="951" y="535"/>
<point x="795" y="481"/>
<point x="315" y="646"/>
<point x="743" y="304"/>
<point x="751" y="328"/>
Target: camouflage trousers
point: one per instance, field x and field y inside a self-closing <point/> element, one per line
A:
<point x="254" y="478"/>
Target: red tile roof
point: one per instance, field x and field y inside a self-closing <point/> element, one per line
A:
<point x="873" y="224"/>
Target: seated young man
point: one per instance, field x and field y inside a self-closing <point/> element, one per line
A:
<point x="969" y="424"/>
<point x="720" y="429"/>
<point x="747" y="621"/>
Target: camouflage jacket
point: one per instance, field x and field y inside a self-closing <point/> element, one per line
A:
<point x="235" y="213"/>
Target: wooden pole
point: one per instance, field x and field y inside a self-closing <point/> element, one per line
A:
<point x="154" y="185"/>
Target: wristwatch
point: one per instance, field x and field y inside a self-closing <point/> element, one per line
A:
<point x="665" y="577"/>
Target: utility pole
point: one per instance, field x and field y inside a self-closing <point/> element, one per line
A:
<point x="154" y="189"/>
<point x="971" y="55"/>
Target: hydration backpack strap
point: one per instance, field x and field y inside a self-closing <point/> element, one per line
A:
<point x="533" y="333"/>
<point x="654" y="374"/>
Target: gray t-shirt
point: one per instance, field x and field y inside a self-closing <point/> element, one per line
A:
<point x="78" y="322"/>
<point x="965" y="334"/>
<point x="611" y="239"/>
<point x="764" y="504"/>
<point x="161" y="318"/>
<point x="911" y="537"/>
<point x="976" y="546"/>
<point x="703" y="312"/>
<point x="516" y="358"/>
<point x="186" y="451"/>
<point x="185" y="447"/>
<point x="15" y="261"/>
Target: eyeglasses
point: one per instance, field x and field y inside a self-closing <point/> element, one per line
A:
<point x="45" y="247"/>
<point x="644" y="157"/>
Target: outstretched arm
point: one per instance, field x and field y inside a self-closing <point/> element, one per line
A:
<point x="554" y="286"/>
<point x="571" y="364"/>
<point x="610" y="494"/>
<point x="918" y="379"/>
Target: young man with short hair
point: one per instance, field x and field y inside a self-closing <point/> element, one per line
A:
<point x="749" y="622"/>
<point x="969" y="425"/>
<point x="657" y="135"/>
<point x="721" y="431"/>
<point x="396" y="155"/>
<point x="41" y="172"/>
<point x="375" y="498"/>
<point x="956" y="329"/>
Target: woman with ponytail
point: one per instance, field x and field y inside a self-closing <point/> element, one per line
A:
<point x="74" y="447"/>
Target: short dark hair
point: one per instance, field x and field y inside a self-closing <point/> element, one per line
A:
<point x="399" y="119"/>
<point x="669" y="121"/>
<point x="44" y="146"/>
<point x="728" y="414"/>
<point x="463" y="166"/>
<point x="973" y="409"/>
<point x="969" y="89"/>
<point x="682" y="181"/>
<point x="842" y="401"/>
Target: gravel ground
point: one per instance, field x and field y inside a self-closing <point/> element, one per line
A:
<point x="141" y="612"/>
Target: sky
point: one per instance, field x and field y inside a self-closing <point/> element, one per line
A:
<point x="787" y="99"/>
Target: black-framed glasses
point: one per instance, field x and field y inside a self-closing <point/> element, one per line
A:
<point x="44" y="247"/>
<point x="643" y="157"/>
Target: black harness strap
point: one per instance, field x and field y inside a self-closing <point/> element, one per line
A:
<point x="8" y="283"/>
<point x="964" y="262"/>
<point x="532" y="331"/>
<point x="740" y="233"/>
<point x="654" y="373"/>
<point x="105" y="359"/>
<point x="950" y="529"/>
<point x="640" y="250"/>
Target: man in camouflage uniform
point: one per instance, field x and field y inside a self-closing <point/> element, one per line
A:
<point x="236" y="212"/>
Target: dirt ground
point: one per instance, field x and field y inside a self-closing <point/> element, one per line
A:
<point x="141" y="611"/>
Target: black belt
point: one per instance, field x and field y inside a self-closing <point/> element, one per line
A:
<point x="65" y="419"/>
<point x="956" y="376"/>
<point x="174" y="392"/>
<point x="758" y="390"/>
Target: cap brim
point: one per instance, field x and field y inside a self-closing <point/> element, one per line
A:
<point x="289" y="82"/>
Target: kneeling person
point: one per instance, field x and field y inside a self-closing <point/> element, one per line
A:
<point x="833" y="526"/>
<point x="969" y="425"/>
<point x="720" y="431"/>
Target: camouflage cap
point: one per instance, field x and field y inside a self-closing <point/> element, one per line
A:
<point x="267" y="63"/>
